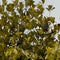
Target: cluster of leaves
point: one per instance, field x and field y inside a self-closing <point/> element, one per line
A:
<point x="39" y="44"/>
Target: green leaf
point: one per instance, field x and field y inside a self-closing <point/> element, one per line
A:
<point x="18" y="33"/>
<point x="59" y="36"/>
<point x="10" y="7"/>
<point x="29" y="3"/>
<point x="40" y="7"/>
<point x="4" y="2"/>
<point x="1" y="9"/>
<point x="52" y="19"/>
<point x="15" y="3"/>
<point x="21" y="5"/>
<point x="50" y="7"/>
<point x="57" y="27"/>
<point x="40" y="31"/>
<point x="43" y="1"/>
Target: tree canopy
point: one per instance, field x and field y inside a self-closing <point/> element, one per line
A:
<point x="26" y="34"/>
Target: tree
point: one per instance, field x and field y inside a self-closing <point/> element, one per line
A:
<point x="39" y="42"/>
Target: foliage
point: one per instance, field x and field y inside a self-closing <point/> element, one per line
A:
<point x="38" y="43"/>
